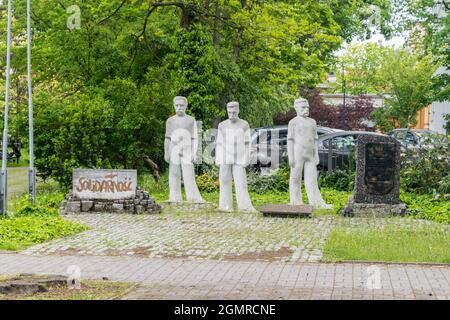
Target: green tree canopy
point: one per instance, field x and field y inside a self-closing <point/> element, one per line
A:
<point x="362" y="65"/>
<point x="405" y="77"/>
<point x="428" y="22"/>
<point x="103" y="90"/>
<point x="408" y="80"/>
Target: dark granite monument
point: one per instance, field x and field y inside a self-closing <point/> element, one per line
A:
<point x="377" y="186"/>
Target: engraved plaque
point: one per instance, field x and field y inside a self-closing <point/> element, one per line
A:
<point x="380" y="168"/>
<point x="104" y="184"/>
<point x="377" y="170"/>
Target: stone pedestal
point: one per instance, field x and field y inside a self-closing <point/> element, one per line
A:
<point x="353" y="209"/>
<point x="139" y="204"/>
<point x="285" y="211"/>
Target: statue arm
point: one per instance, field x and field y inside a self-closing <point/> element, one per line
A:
<point x="316" y="147"/>
<point x="248" y="146"/>
<point x="167" y="149"/>
<point x="290" y="144"/>
<point x="194" y="143"/>
<point x="219" y="147"/>
<point x="167" y="144"/>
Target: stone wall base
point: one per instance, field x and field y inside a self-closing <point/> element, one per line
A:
<point x="353" y="209"/>
<point x="142" y="203"/>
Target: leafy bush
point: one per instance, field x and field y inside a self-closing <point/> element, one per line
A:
<point x="158" y="190"/>
<point x="207" y="182"/>
<point x="338" y="179"/>
<point x="30" y="210"/>
<point x="277" y="181"/>
<point x="427" y="207"/>
<point x="429" y="173"/>
<point x="443" y="189"/>
<point x="47" y="205"/>
<point x="336" y="198"/>
<point x="111" y="127"/>
<point x="51" y="199"/>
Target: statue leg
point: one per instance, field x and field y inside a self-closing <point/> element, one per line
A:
<point x="295" y="185"/>
<point x="226" y="196"/>
<point x="312" y="187"/>
<point x="240" y="182"/>
<point x="175" y="183"/>
<point x="190" y="186"/>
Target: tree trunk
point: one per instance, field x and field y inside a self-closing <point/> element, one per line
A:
<point x="187" y="17"/>
<point x="216" y="35"/>
<point x="153" y="166"/>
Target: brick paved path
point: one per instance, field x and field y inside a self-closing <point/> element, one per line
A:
<point x="208" y="279"/>
<point x="208" y="235"/>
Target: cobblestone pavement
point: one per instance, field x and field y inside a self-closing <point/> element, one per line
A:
<point x="162" y="278"/>
<point x="210" y="235"/>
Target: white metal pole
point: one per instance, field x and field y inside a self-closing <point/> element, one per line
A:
<point x="32" y="171"/>
<point x="3" y="175"/>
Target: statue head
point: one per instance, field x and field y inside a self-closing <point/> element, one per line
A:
<point x="233" y="110"/>
<point x="180" y="104"/>
<point x="301" y="106"/>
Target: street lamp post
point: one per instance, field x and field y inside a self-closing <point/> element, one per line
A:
<point x="31" y="171"/>
<point x="4" y="172"/>
<point x="344" y="85"/>
<point x="332" y="79"/>
<point x="344" y="93"/>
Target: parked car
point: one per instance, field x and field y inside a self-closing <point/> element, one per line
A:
<point x="336" y="148"/>
<point x="418" y="138"/>
<point x="268" y="141"/>
<point x="265" y="134"/>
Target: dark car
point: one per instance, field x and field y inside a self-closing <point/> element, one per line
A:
<point x="335" y="149"/>
<point x="411" y="139"/>
<point x="266" y="134"/>
<point x="270" y="142"/>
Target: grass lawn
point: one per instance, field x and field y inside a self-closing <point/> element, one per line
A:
<point x="90" y="290"/>
<point x="429" y="242"/>
<point x="17" y="181"/>
<point x="24" y="159"/>
<point x="27" y="226"/>
<point x="17" y="233"/>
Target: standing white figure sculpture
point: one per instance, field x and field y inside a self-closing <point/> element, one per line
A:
<point x="180" y="150"/>
<point x="304" y="156"/>
<point x="233" y="156"/>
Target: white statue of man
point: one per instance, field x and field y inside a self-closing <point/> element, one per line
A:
<point x="180" y="150"/>
<point x="233" y="156"/>
<point x="303" y="155"/>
